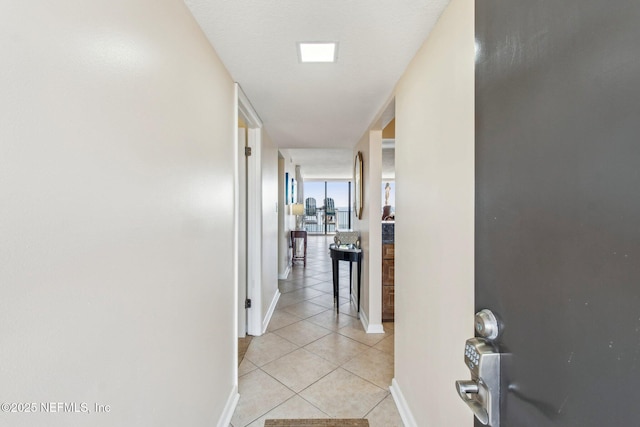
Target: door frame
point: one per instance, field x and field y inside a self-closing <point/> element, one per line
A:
<point x="242" y="230"/>
<point x="243" y="109"/>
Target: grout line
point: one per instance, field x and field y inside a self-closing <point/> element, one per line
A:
<point x="317" y="278"/>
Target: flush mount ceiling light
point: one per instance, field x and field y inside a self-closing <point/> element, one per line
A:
<point x="317" y="51"/>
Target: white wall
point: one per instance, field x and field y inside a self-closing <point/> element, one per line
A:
<point x="116" y="217"/>
<point x="370" y="228"/>
<point x="434" y="241"/>
<point x="283" y="209"/>
<point x="270" y="208"/>
<point x="288" y="221"/>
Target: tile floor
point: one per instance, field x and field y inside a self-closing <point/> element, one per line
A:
<point x="316" y="361"/>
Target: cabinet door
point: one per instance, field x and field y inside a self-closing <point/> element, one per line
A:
<point x="387" y="272"/>
<point x="388" y="302"/>
<point x="388" y="251"/>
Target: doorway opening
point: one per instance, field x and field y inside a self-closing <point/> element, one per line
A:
<point x="248" y="233"/>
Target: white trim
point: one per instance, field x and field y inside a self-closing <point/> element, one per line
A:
<point x="286" y="273"/>
<point x="354" y="302"/>
<point x="229" y="408"/>
<point x="375" y="329"/>
<point x="253" y="120"/>
<point x="401" y="404"/>
<point x="236" y="228"/>
<point x="374" y="254"/>
<point x="254" y="233"/>
<point x="270" y="311"/>
<point x="240" y="226"/>
<point x="368" y="328"/>
<point x="364" y="320"/>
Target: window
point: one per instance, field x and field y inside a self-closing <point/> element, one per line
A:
<point x="339" y="192"/>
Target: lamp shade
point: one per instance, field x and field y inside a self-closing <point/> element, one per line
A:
<point x="297" y="209"/>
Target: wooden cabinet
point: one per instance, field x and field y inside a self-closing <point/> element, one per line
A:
<point x="388" y="251"/>
<point x="388" y="284"/>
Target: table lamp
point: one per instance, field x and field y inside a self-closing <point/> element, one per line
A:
<point x="298" y="210"/>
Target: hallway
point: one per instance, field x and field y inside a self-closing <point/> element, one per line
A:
<point x="316" y="361"/>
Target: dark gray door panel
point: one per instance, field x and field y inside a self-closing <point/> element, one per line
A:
<point x="558" y="206"/>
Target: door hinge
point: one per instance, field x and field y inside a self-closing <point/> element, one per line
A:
<point x="247" y="303"/>
<point x="247" y="151"/>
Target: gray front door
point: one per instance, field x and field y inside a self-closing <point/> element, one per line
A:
<point x="558" y="206"/>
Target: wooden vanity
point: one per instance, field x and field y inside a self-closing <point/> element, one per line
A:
<point x="388" y="260"/>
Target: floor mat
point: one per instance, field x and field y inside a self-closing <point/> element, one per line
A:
<point x="329" y="422"/>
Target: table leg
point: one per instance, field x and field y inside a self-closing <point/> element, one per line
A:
<point x="336" y="276"/>
<point x="350" y="280"/>
<point x="305" y="250"/>
<point x="359" y="274"/>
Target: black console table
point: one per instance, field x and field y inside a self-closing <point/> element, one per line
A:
<point x="345" y="254"/>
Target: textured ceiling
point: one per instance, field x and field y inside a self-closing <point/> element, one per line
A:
<point x="317" y="105"/>
<point x="337" y="163"/>
<point x="328" y="163"/>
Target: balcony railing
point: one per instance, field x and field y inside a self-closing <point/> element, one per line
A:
<point x="316" y="224"/>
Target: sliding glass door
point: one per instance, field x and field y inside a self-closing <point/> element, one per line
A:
<point x="333" y="206"/>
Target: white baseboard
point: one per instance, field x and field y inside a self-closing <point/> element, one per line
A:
<point x="272" y="308"/>
<point x="229" y="408"/>
<point x="375" y="329"/>
<point x="401" y="404"/>
<point x="368" y="327"/>
<point x="354" y="303"/>
<point x="286" y="273"/>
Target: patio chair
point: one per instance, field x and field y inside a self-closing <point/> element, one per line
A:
<point x="310" y="212"/>
<point x="330" y="212"/>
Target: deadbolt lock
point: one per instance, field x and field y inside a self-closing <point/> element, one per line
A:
<point x="486" y="324"/>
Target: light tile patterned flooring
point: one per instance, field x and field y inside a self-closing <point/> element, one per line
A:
<point x="316" y="361"/>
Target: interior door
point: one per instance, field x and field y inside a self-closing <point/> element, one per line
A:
<point x="242" y="232"/>
<point x="558" y="206"/>
<point x="249" y="216"/>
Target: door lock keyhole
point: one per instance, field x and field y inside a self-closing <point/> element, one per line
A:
<point x="487" y="324"/>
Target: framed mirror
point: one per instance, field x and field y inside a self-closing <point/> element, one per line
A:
<point x="357" y="174"/>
